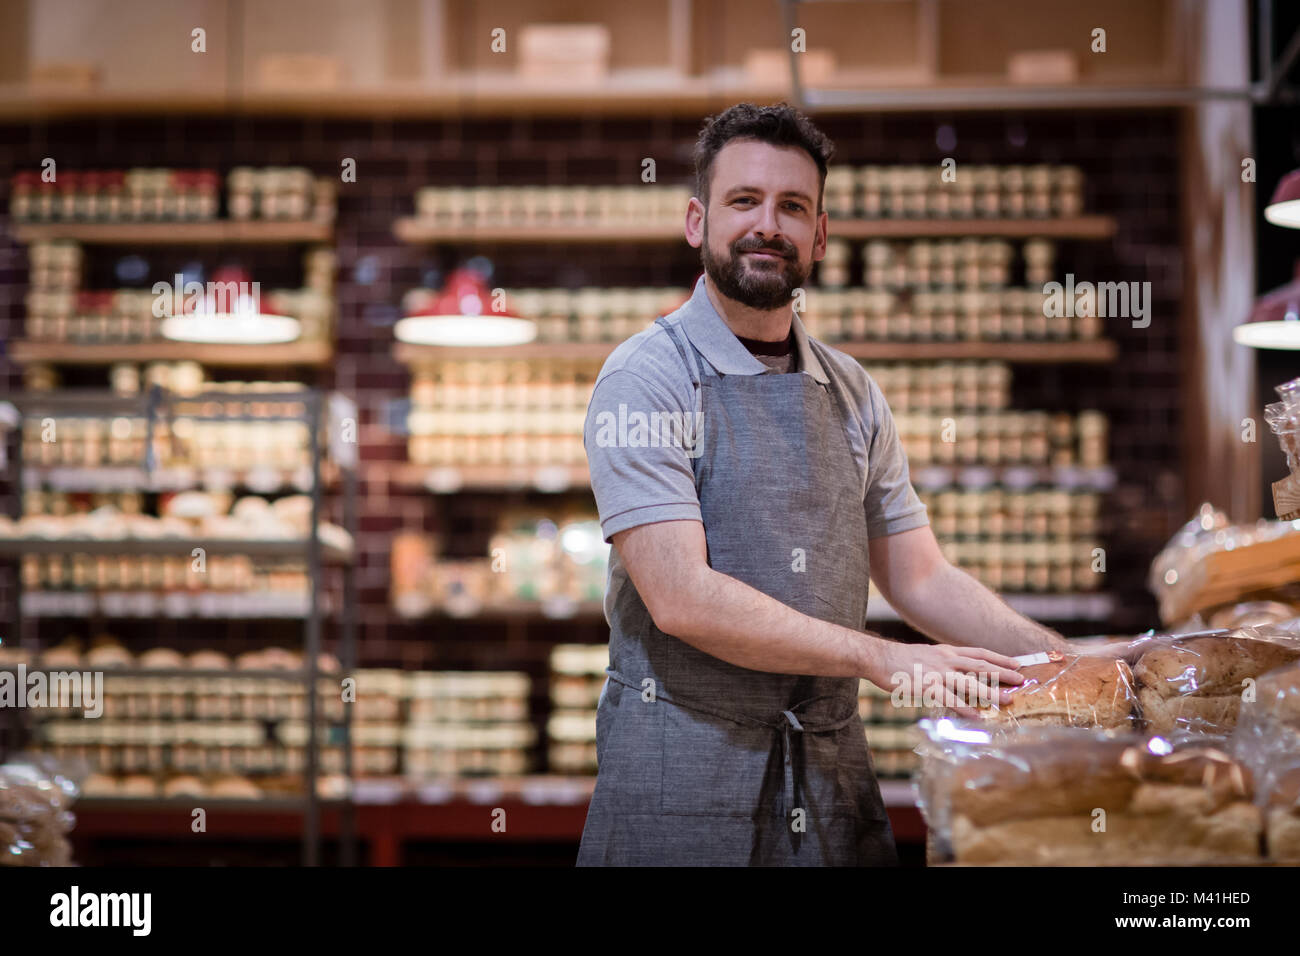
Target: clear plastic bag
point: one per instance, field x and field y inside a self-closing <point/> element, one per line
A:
<point x="1209" y="531"/>
<point x="1284" y="419"/>
<point x="1067" y="796"/>
<point x="36" y="795"/>
<point x="1267" y="740"/>
<point x="1090" y="691"/>
<point x="1194" y="683"/>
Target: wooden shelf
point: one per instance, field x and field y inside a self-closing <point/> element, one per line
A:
<point x="515" y="610"/>
<point x="448" y="480"/>
<point x="214" y="605"/>
<point x="556" y="478"/>
<point x="1077" y="227"/>
<point x="409" y="354"/>
<point x="68" y="353"/>
<point x="135" y="478"/>
<point x="265" y="548"/>
<point x="416" y="230"/>
<point x="412" y="229"/>
<point x="1090" y="351"/>
<point x="252" y="232"/>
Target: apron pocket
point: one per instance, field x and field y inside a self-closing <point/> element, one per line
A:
<point x="717" y="767"/>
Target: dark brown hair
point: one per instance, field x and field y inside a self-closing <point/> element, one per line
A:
<point x="779" y="125"/>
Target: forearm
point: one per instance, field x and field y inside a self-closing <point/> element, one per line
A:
<point x="953" y="608"/>
<point x="732" y="621"/>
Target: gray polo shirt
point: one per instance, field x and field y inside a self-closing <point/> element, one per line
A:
<point x="640" y="482"/>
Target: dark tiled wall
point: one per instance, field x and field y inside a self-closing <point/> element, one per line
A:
<point x="1129" y="159"/>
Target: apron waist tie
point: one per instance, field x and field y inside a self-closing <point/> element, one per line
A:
<point x="788" y="725"/>
<point x="787" y="745"/>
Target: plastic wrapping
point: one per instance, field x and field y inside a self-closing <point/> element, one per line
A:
<point x="1267" y="740"/>
<point x="1284" y="419"/>
<point x="1195" y="683"/>
<point x="35" y="815"/>
<point x="1067" y="796"/>
<point x="1074" y="691"/>
<point x="1208" y="532"/>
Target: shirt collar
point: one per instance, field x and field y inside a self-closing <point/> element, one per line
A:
<point x="713" y="338"/>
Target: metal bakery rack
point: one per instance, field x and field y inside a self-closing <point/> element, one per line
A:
<point x="326" y="415"/>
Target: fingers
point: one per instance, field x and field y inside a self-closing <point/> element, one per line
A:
<point x="973" y="665"/>
<point x="993" y="657"/>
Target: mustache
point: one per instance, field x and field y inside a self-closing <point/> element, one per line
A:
<point x="782" y="250"/>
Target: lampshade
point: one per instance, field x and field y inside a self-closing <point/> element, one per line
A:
<point x="223" y="316"/>
<point x="461" y="316"/>
<point x="231" y="328"/>
<point x="1284" y="208"/>
<point x="1275" y="321"/>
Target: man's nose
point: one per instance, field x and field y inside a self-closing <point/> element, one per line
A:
<point x="768" y="226"/>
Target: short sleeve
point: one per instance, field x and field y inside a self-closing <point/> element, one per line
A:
<point x="640" y="445"/>
<point x="891" y="502"/>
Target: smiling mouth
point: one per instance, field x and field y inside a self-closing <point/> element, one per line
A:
<point x="765" y="254"/>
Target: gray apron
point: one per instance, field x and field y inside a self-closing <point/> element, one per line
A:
<point x="702" y="762"/>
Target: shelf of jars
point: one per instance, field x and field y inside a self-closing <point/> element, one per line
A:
<point x="215" y="436"/>
<point x="151" y="205"/>
<point x="69" y="325"/>
<point x="862" y="202"/>
<point x="179" y="232"/>
<point x="632" y="230"/>
<point x="1098" y="351"/>
<point x="952" y="300"/>
<point x="305" y="354"/>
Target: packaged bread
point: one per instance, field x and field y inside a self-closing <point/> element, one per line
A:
<point x="99" y="785"/>
<point x="184" y="786"/>
<point x="209" y="660"/>
<point x="161" y="658"/>
<point x="1282" y="817"/>
<point x="1071" y="691"/>
<point x="107" y="651"/>
<point x="138" y="785"/>
<point x="1195" y="684"/>
<point x="35" y="797"/>
<point x="12" y="656"/>
<point x="1067" y="796"/>
<point x="1267" y="735"/>
<point x="294" y="511"/>
<point x="67" y="653"/>
<point x="234" y="787"/>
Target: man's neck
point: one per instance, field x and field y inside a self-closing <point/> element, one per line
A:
<point x="747" y="323"/>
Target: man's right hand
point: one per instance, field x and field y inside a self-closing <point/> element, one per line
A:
<point x="968" y="676"/>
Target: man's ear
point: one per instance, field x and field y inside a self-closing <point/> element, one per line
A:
<point x="695" y="222"/>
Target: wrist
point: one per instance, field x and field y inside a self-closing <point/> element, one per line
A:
<point x="877" y="661"/>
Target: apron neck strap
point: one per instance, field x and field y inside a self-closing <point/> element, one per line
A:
<point x="688" y="353"/>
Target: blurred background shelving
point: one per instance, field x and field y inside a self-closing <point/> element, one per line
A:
<point x="410" y="92"/>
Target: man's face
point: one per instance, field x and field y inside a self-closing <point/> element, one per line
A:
<point x="761" y="232"/>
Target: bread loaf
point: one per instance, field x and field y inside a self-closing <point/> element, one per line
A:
<point x="1077" y="691"/>
<point x="1197" y="683"/>
<point x="1229" y="834"/>
<point x="1042" y="779"/>
<point x="1039" y="803"/>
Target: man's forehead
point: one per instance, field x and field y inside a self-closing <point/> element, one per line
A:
<point x="747" y="162"/>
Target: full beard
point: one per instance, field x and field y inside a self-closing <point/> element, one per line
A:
<point x="760" y="284"/>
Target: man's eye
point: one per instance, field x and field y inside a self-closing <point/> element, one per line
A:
<point x="796" y="205"/>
